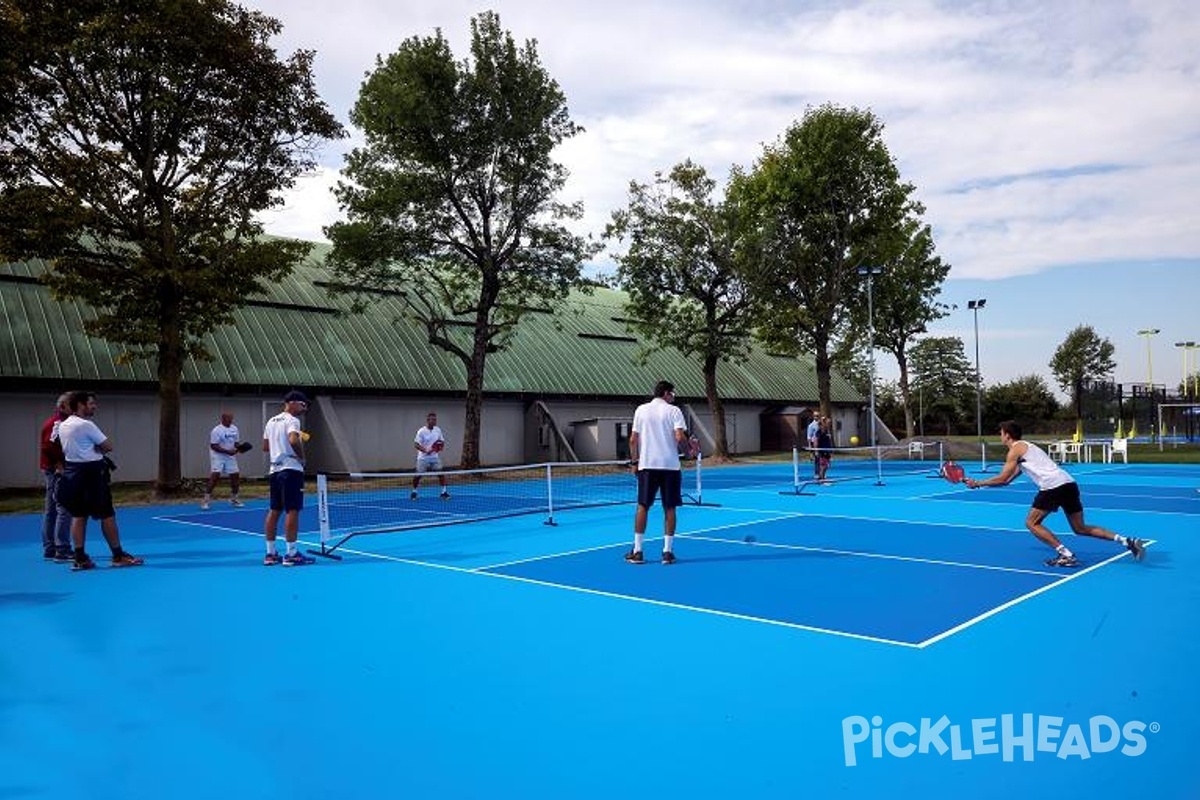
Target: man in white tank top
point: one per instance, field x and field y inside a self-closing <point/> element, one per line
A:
<point x="1056" y="489"/>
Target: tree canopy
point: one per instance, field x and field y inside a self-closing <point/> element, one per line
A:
<point x="140" y="139"/>
<point x="683" y="267"/>
<point x="827" y="199"/>
<point x="452" y="199"/>
<point x="1081" y="357"/>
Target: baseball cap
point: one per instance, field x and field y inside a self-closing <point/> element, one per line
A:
<point x="295" y="396"/>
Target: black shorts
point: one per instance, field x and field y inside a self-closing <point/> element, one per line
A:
<point x="653" y="481"/>
<point x="287" y="490"/>
<point x="84" y="490"/>
<point x="1065" y="497"/>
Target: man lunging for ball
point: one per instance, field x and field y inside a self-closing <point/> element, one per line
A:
<point x="1056" y="489"/>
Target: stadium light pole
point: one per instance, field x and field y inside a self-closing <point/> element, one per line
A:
<point x="870" y="273"/>
<point x="1148" y="333"/>
<point x="974" y="306"/>
<point x="1187" y="348"/>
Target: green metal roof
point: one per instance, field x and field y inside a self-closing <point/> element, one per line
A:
<point x="299" y="336"/>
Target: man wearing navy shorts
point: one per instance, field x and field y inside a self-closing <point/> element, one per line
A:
<point x="1056" y="489"/>
<point x="659" y="435"/>
<point x="284" y="443"/>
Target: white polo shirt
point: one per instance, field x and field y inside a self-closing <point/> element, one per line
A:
<point x="655" y="424"/>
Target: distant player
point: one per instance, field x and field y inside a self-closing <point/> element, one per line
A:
<point x="429" y="443"/>
<point x="1056" y="489"/>
<point x="222" y="456"/>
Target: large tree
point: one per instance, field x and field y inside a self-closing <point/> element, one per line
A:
<point x="683" y="271"/>
<point x="451" y="201"/>
<point x="140" y="138"/>
<point x="827" y="198"/>
<point x="944" y="378"/>
<point x="1081" y="357"/>
<point x="905" y="298"/>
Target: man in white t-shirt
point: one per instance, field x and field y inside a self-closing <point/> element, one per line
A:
<point x="283" y="441"/>
<point x="659" y="436"/>
<point x="85" y="489"/>
<point x="223" y="443"/>
<point x="1056" y="489"/>
<point x="428" y="443"/>
<point x="811" y="434"/>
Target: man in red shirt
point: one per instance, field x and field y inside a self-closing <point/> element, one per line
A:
<point x="56" y="522"/>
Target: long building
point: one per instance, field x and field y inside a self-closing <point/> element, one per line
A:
<point x="564" y="390"/>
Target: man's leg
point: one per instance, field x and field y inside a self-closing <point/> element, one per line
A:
<point x="1135" y="546"/>
<point x="49" y="514"/>
<point x="62" y="527"/>
<point x="1034" y="523"/>
<point x="235" y="488"/>
<point x="208" y="492"/>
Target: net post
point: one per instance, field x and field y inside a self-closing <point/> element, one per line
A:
<point x="550" y="495"/>
<point x="699" y="479"/>
<point x="796" y="470"/>
<point x="879" y="465"/>
<point x="323" y="518"/>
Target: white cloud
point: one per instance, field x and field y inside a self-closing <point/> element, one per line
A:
<point x="1037" y="134"/>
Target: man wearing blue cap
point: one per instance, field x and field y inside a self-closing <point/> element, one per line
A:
<point x="283" y="441"/>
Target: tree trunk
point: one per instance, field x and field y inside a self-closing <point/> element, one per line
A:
<point x="472" y="421"/>
<point x="716" y="406"/>
<point x="905" y="396"/>
<point x="170" y="377"/>
<point x="822" y="361"/>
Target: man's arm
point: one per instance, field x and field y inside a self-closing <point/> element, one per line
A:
<point x="1012" y="467"/>
<point x="297" y="444"/>
<point x="633" y="446"/>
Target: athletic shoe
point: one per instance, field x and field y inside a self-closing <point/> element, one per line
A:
<point x="635" y="557"/>
<point x="48" y="554"/>
<point x="1063" y="561"/>
<point x="204" y="504"/>
<point x="445" y="495"/>
<point x="668" y="557"/>
<point x="271" y="559"/>
<point x="297" y="559"/>
<point x="64" y="556"/>
<point x="236" y="503"/>
<point x="412" y="495"/>
<point x="82" y="562"/>
<point x="126" y="560"/>
<point x="1137" y="547"/>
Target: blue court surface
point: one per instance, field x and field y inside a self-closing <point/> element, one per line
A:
<point x="861" y="641"/>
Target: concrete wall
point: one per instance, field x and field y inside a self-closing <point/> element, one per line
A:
<point x="378" y="431"/>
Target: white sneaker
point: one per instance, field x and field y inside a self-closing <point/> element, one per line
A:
<point x="236" y="503"/>
<point x="204" y="504"/>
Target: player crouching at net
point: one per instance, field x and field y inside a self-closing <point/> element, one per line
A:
<point x="658" y="438"/>
<point x="1056" y="489"/>
<point x="429" y="443"/>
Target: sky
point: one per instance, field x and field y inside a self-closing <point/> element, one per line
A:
<point x="1055" y="146"/>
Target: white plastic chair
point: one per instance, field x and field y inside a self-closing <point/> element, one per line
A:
<point x="1057" y="451"/>
<point x="1120" y="447"/>
<point x="917" y="449"/>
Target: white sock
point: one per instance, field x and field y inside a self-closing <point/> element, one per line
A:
<point x="1063" y="551"/>
<point x="270" y="546"/>
<point x="667" y="542"/>
<point x="637" y="542"/>
<point x="291" y="548"/>
<point x="1121" y="540"/>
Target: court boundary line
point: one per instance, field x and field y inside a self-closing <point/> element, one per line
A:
<point x="486" y="572"/>
<point x="601" y="592"/>
<point x="885" y="556"/>
<point x="1016" y="600"/>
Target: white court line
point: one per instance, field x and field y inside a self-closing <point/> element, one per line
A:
<point x="700" y="609"/>
<point x="602" y="593"/>
<point x="887" y="557"/>
<point x="1004" y="606"/>
<point x="617" y="544"/>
